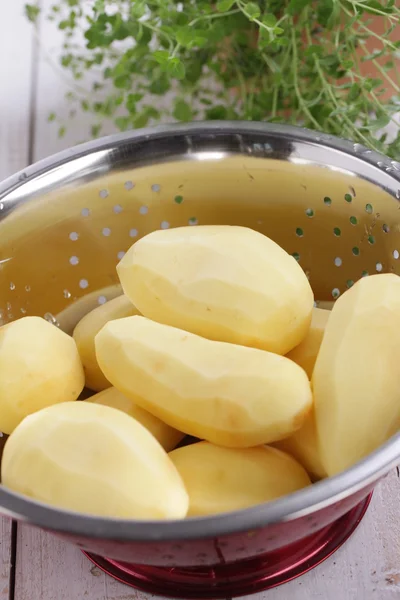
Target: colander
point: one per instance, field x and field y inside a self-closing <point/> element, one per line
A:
<point x="67" y="221"/>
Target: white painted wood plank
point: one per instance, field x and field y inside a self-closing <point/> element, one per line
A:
<point x="5" y="558"/>
<point x="15" y="87"/>
<point x="49" y="569"/>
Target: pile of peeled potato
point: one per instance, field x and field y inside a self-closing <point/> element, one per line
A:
<point x="215" y="336"/>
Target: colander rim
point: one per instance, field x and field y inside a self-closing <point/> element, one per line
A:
<point x="302" y="503"/>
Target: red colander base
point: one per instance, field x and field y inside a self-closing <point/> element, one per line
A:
<point x="242" y="577"/>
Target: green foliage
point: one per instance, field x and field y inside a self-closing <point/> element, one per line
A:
<point x="294" y="61"/>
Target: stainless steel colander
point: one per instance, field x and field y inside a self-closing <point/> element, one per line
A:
<point x="67" y="221"/>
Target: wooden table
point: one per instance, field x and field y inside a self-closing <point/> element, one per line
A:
<point x="36" y="566"/>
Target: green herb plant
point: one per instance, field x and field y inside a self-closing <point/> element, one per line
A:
<point x="295" y="61"/>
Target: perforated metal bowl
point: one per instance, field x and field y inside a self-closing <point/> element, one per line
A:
<point x="67" y="221"/>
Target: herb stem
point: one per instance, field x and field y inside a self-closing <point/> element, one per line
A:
<point x="362" y="25"/>
<point x="382" y="71"/>
<point x="335" y="102"/>
<point x="296" y="82"/>
<point x="274" y="102"/>
<point x="80" y="90"/>
<point x="371" y="9"/>
<point x="214" y="16"/>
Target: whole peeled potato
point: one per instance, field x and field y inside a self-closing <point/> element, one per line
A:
<point x="229" y="284"/>
<point x="167" y="436"/>
<point x="95" y="460"/>
<point x="70" y="316"/>
<point x="87" y="329"/>
<point x="303" y="446"/>
<point x="220" y="480"/>
<point x="39" y="366"/>
<point x="230" y="395"/>
<point x="356" y="379"/>
<point x="305" y="354"/>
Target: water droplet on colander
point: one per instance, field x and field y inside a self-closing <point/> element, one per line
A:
<point x="50" y="318"/>
<point x="12" y="286"/>
<point x="67" y="294"/>
<point x="358" y="147"/>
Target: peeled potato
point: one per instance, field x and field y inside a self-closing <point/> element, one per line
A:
<point x="87" y="329"/>
<point x="305" y="354"/>
<point x="230" y="395"/>
<point x="93" y="459"/>
<point x="222" y="480"/>
<point x="39" y="366"/>
<point x="229" y="284"/>
<point x="356" y="379"/>
<point x="72" y="314"/>
<point x="303" y="446"/>
<point x="168" y="437"/>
